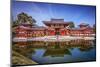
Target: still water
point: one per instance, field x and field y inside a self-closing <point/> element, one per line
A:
<point x="59" y="52"/>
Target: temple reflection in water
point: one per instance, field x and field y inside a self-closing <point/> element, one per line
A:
<point x="62" y="44"/>
<point x="55" y="49"/>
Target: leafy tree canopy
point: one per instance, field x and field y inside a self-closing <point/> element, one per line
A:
<point x="24" y="18"/>
<point x="71" y="25"/>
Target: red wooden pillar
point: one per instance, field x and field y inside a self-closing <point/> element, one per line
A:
<point x="52" y="32"/>
<point x="63" y="32"/>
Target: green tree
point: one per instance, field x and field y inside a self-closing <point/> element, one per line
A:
<point x="71" y="25"/>
<point x="24" y="18"/>
<point x="94" y="27"/>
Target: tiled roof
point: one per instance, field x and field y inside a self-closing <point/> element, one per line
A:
<point x="56" y="21"/>
<point x="84" y="24"/>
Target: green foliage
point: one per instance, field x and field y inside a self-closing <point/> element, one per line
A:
<point x="94" y="28"/>
<point x="23" y="18"/>
<point x="71" y="25"/>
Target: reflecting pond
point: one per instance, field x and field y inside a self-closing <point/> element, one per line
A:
<point x="58" y="52"/>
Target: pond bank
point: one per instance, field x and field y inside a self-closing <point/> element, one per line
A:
<point x="18" y="59"/>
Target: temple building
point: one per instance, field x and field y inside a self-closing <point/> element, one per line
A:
<point x="57" y="27"/>
<point x="52" y="28"/>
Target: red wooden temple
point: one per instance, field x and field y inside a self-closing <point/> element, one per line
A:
<point x="52" y="28"/>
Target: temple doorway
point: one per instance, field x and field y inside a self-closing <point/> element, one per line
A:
<point x="57" y="32"/>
